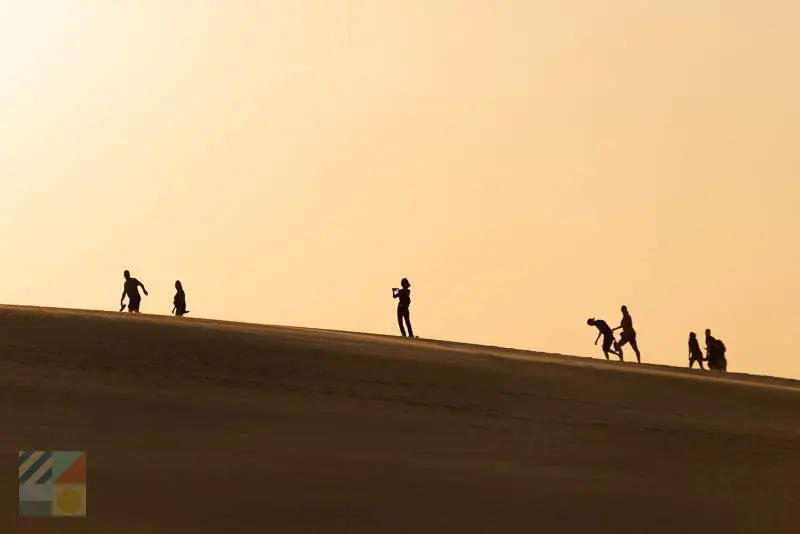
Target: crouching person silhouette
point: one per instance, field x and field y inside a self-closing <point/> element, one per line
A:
<point x="715" y="353"/>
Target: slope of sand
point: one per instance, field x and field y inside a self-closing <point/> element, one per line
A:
<point x="204" y="426"/>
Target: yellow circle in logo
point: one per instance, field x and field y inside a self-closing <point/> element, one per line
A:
<point x="69" y="500"/>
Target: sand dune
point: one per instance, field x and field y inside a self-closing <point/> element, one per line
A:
<point x="204" y="426"/>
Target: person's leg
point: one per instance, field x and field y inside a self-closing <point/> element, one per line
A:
<point x="618" y="344"/>
<point x="400" y="320"/>
<point x="636" y="349"/>
<point x="607" y="342"/>
<point x="407" y="316"/>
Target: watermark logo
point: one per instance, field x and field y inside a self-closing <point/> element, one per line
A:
<point x="52" y="483"/>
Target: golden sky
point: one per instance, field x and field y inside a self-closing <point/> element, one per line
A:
<point x="526" y="164"/>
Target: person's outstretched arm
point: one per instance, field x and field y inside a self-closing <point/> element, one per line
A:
<point x="597" y="339"/>
<point x="617" y="328"/>
<point x="143" y="289"/>
<point x="122" y="297"/>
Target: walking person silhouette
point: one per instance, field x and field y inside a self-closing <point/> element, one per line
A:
<point x="628" y="333"/>
<point x="180" y="300"/>
<point x="403" y="304"/>
<point x="695" y="354"/>
<point x="131" y="289"/>
<point x="608" y="337"/>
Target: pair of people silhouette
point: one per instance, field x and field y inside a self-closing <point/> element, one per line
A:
<point x="715" y="352"/>
<point x="131" y="290"/>
<point x="628" y="335"/>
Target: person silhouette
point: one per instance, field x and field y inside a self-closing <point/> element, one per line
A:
<point x="403" y="304"/>
<point x="722" y="360"/>
<point x="608" y="337"/>
<point x="695" y="354"/>
<point x="715" y="353"/>
<point x="180" y="300"/>
<point x="131" y="289"/>
<point x="628" y="333"/>
<point x="711" y="349"/>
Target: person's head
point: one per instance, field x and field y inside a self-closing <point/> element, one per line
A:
<point x="126" y="274"/>
<point x="178" y="285"/>
<point x="624" y="309"/>
<point x="708" y="332"/>
<point x="590" y="322"/>
<point x="405" y="283"/>
<point x="692" y="335"/>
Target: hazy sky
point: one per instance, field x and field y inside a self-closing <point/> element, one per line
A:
<point x="526" y="164"/>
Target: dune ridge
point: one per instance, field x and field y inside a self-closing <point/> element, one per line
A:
<point x="210" y="426"/>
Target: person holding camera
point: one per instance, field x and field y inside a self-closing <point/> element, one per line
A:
<point x="404" y="302"/>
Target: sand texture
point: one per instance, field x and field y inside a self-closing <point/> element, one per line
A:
<point x="202" y="426"/>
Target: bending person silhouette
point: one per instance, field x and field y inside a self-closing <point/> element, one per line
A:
<point x="403" y="313"/>
<point x="628" y="333"/>
<point x="695" y="354"/>
<point x="715" y="353"/>
<point x="131" y="289"/>
<point x="608" y="337"/>
<point x="180" y="300"/>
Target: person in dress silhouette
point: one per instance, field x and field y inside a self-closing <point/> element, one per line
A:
<point x="180" y="300"/>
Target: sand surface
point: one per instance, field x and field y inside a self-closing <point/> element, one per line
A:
<point x="204" y="426"/>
